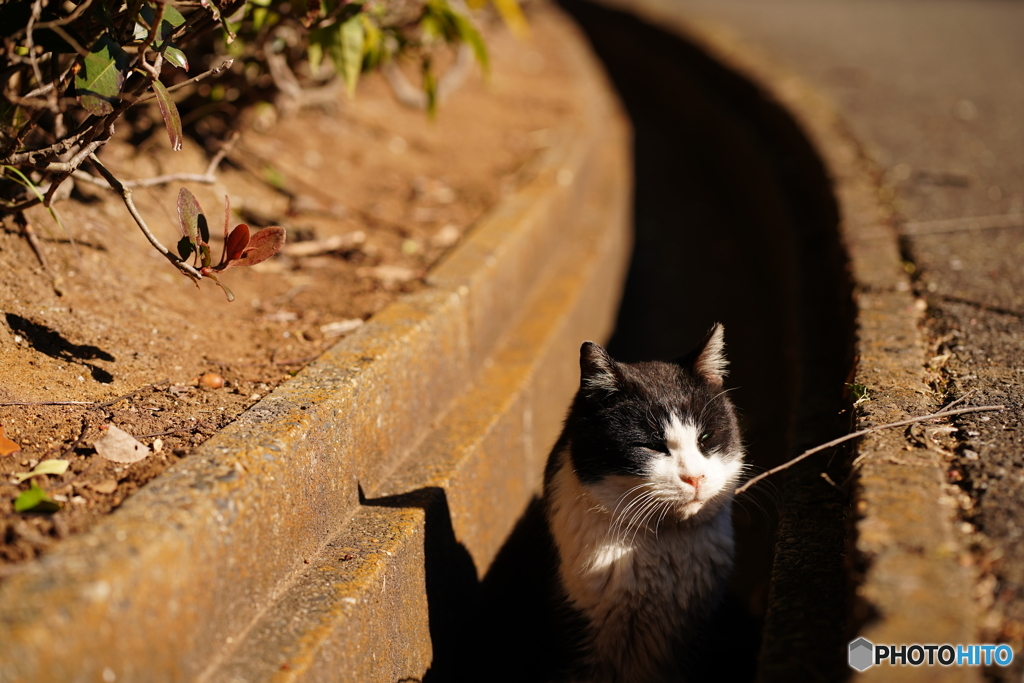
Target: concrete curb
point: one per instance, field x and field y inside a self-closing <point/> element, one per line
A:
<point x="913" y="589"/>
<point x="436" y="391"/>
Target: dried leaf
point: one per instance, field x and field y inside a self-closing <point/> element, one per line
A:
<point x="118" y="445"/>
<point x="6" y="445"/>
<point x="35" y="500"/>
<point x="98" y="82"/>
<point x="45" y="467"/>
<point x="170" y="113"/>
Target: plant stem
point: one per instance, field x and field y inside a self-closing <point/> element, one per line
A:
<point x="945" y="412"/>
<point x="126" y="196"/>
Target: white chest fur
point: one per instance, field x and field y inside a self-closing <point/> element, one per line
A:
<point x="639" y="588"/>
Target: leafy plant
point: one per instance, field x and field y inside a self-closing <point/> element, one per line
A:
<point x="70" y="70"/>
<point x="35" y="499"/>
<point x="241" y="248"/>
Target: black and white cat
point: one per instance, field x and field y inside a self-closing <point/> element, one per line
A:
<point x="637" y="499"/>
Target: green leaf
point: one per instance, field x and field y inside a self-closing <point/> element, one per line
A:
<point x="98" y="82"/>
<point x="373" y="43"/>
<point x="513" y="16"/>
<point x="469" y="34"/>
<point x="430" y="88"/>
<point x="45" y="467"/>
<point x="352" y="36"/>
<point x="170" y="113"/>
<point x="859" y="392"/>
<point x="35" y="500"/>
<point x="314" y="54"/>
<point x="205" y="257"/>
<point x="175" y="57"/>
<point x="172" y="19"/>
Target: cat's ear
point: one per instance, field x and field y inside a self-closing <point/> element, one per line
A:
<point x="597" y="369"/>
<point x="708" y="359"/>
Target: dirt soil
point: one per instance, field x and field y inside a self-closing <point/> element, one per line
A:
<point x="108" y="318"/>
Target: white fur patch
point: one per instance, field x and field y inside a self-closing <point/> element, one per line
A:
<point x="698" y="477"/>
<point x="634" y="562"/>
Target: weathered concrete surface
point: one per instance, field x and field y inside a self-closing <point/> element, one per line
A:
<point x="174" y="580"/>
<point x="481" y="463"/>
<point x="867" y="81"/>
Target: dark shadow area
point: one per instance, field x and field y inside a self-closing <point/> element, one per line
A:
<point x="736" y="222"/>
<point x="451" y="580"/>
<point x="53" y="344"/>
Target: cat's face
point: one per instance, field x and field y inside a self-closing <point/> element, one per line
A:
<point x="656" y="439"/>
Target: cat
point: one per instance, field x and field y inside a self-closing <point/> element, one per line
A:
<point x="637" y="500"/>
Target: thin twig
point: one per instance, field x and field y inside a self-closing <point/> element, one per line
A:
<point x="56" y="149"/>
<point x="126" y="196"/>
<point x="208" y="178"/>
<point x="945" y="412"/>
<point x="88" y="404"/>
<point x="225" y="65"/>
<point x="66" y="20"/>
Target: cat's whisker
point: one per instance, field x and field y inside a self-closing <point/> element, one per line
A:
<point x="640" y="517"/>
<point x="648" y="512"/>
<point x="631" y="509"/>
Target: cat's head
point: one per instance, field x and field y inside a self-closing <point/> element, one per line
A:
<point x="665" y="433"/>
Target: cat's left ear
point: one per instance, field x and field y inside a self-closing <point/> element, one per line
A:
<point x="597" y="369"/>
<point x="708" y="359"/>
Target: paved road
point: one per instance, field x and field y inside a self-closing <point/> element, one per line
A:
<point x="935" y="90"/>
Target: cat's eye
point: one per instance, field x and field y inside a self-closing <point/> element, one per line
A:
<point x="705" y="436"/>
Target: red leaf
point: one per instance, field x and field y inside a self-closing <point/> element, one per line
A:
<point x="263" y="244"/>
<point x="236" y="243"/>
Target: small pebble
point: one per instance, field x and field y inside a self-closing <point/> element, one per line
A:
<point x="212" y="380"/>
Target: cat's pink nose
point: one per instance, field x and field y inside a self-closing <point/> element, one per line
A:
<point x="694" y="481"/>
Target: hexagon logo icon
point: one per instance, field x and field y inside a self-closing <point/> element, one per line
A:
<point x="861" y="654"/>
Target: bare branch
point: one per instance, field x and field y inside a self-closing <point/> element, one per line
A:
<point x="126" y="196"/>
<point x="56" y="149"/>
<point x="207" y="178"/>
<point x="945" y="412"/>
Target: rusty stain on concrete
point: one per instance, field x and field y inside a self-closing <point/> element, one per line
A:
<point x="175" y="583"/>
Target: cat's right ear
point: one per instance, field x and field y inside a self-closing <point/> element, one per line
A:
<point x="597" y="369"/>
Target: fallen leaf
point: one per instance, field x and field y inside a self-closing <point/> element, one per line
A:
<point x="118" y="445"/>
<point x="35" y="500"/>
<point x="6" y="445"/>
<point x="45" y="467"/>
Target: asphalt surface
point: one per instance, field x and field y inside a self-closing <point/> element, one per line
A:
<point x="935" y="91"/>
